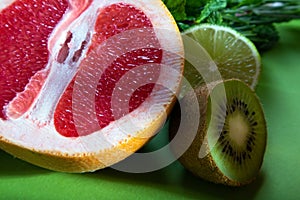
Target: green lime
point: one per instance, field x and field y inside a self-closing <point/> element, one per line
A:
<point x="222" y="53"/>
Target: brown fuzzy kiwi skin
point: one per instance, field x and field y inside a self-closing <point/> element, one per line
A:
<point x="204" y="168"/>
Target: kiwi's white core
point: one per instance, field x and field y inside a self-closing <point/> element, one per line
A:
<point x="238" y="128"/>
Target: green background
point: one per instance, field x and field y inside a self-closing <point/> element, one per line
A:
<point x="279" y="91"/>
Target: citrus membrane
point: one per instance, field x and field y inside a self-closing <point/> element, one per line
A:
<point x="84" y="84"/>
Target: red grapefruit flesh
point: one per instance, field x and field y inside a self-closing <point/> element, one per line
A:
<point x="84" y="84"/>
<point x="106" y="27"/>
<point x="24" y="36"/>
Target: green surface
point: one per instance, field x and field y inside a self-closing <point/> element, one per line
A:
<point x="279" y="178"/>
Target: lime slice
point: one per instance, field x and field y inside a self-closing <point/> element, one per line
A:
<point x="232" y="54"/>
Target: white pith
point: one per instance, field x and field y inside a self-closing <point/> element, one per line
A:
<point x="5" y="3"/>
<point x="35" y="129"/>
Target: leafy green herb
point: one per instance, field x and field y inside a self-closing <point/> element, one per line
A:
<point x="177" y="8"/>
<point x="253" y="18"/>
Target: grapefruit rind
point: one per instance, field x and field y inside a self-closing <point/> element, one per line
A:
<point x="43" y="146"/>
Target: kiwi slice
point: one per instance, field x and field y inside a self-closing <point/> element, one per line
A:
<point x="231" y="139"/>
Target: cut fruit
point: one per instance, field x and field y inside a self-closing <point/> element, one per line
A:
<point x="234" y="55"/>
<point x="230" y="142"/>
<point x="84" y="84"/>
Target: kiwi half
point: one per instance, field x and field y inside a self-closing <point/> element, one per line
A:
<point x="231" y="139"/>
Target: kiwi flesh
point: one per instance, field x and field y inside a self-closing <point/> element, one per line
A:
<point x="231" y="134"/>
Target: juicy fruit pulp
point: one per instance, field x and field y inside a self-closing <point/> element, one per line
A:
<point x="105" y="28"/>
<point x="84" y="84"/>
<point x="28" y="54"/>
<point x="23" y="42"/>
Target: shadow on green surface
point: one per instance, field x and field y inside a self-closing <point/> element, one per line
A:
<point x="11" y="166"/>
<point x="176" y="180"/>
<point x="221" y="191"/>
<point x="173" y="179"/>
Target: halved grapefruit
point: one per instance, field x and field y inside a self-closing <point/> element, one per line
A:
<point x="84" y="84"/>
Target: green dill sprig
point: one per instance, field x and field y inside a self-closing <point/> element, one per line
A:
<point x="256" y="21"/>
<point x="253" y="18"/>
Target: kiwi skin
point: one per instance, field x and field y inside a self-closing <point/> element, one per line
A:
<point x="206" y="167"/>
